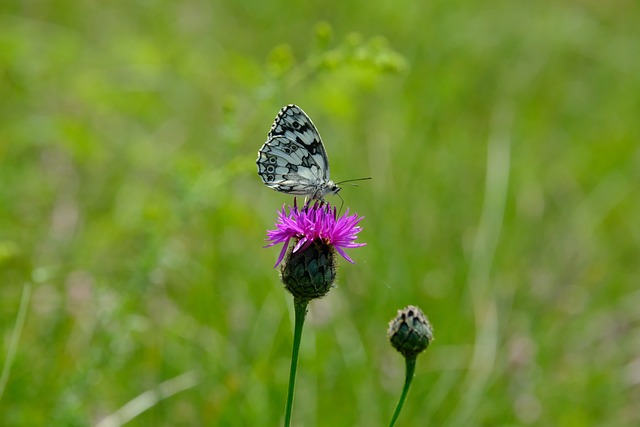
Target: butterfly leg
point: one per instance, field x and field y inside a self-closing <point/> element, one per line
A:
<point x="341" y="204"/>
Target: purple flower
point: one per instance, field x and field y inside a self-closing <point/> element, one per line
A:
<point x="315" y="222"/>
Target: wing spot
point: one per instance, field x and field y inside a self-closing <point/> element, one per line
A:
<point x="270" y="178"/>
<point x="271" y="169"/>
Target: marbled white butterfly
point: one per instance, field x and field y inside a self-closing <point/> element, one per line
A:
<point x="293" y="160"/>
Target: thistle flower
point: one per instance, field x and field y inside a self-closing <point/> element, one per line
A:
<point x="315" y="222"/>
<point x="309" y="268"/>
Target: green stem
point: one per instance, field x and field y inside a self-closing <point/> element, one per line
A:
<point x="300" y="307"/>
<point x="411" y="367"/>
<point x="15" y="337"/>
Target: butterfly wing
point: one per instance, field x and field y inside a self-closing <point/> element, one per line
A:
<point x="287" y="167"/>
<point x="295" y="125"/>
<point x="294" y="160"/>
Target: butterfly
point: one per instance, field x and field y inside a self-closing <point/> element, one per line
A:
<point x="294" y="160"/>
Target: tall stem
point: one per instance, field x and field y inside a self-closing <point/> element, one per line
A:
<point x="300" y="308"/>
<point x="410" y="369"/>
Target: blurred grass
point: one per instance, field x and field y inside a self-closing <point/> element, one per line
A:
<point x="502" y="139"/>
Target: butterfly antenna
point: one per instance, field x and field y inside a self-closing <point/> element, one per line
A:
<point x="352" y="180"/>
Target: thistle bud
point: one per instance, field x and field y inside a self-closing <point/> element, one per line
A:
<point x="410" y="332"/>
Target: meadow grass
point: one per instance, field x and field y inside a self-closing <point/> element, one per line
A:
<point x="503" y="143"/>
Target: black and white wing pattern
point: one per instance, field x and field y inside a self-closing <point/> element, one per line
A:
<point x="293" y="160"/>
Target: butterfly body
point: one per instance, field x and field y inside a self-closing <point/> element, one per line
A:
<point x="293" y="160"/>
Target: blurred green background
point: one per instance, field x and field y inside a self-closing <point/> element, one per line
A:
<point x="503" y="142"/>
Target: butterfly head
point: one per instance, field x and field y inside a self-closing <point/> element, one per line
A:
<point x="332" y="188"/>
<point x="326" y="189"/>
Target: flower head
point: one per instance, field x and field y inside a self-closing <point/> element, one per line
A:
<point x="315" y="223"/>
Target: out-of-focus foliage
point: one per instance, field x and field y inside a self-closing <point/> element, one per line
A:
<point x="502" y="139"/>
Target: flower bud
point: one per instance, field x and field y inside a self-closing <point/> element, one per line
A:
<point x="410" y="332"/>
